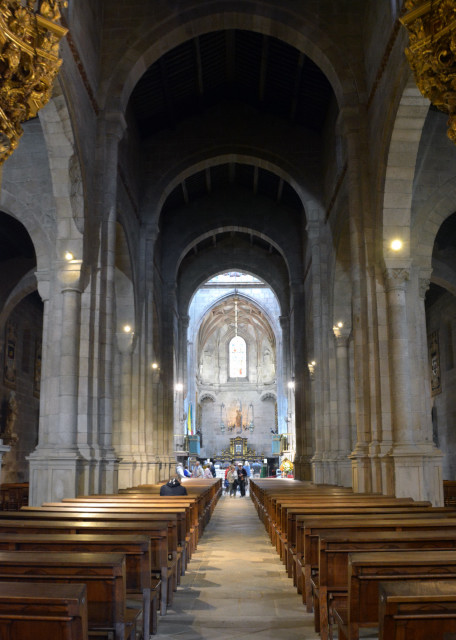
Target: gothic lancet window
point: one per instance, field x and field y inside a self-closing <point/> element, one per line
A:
<point x="238" y="357"/>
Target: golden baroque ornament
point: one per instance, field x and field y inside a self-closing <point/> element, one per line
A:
<point x="29" y="63"/>
<point x="431" y="53"/>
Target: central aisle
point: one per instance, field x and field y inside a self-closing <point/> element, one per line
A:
<point x="235" y="586"/>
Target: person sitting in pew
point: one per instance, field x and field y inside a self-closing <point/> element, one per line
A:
<point x="173" y="488"/>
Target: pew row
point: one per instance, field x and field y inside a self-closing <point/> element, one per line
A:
<point x="420" y="610"/>
<point x="43" y="611"/>
<point x="104" y="575"/>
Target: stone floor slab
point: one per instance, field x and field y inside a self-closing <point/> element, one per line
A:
<point x="235" y="586"/>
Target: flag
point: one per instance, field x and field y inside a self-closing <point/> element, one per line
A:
<point x="189" y="421"/>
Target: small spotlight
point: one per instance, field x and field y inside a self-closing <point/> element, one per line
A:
<point x="69" y="256"/>
<point x="291" y="384"/>
<point x="127" y="328"/>
<point x="340" y="325"/>
<point x="154" y="365"/>
<point x="396" y="245"/>
<point x="179" y="386"/>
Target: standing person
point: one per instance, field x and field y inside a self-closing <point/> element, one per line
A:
<point x="249" y="473"/>
<point x="187" y="473"/>
<point x="207" y="472"/>
<point x="197" y="470"/>
<point x="232" y="478"/>
<point x="180" y="471"/>
<point x="212" y="468"/>
<point x="242" y="478"/>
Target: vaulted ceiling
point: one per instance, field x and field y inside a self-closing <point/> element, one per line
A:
<point x="231" y="65"/>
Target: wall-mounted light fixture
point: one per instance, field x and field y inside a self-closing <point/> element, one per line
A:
<point x="311" y="367"/>
<point x="179" y="386"/>
<point x="69" y="256"/>
<point x="396" y="244"/>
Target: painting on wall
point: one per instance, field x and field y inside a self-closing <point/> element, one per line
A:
<point x="434" y="360"/>
<point x="9" y="372"/>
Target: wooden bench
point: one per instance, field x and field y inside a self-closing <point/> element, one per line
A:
<point x="367" y="570"/>
<point x="187" y="527"/>
<point x="449" y="493"/>
<point x="137" y="550"/>
<point x="43" y="611"/>
<point x="422" y="610"/>
<point x="104" y="575"/>
<point x="330" y="584"/>
<point x="13" y="495"/>
<point x="312" y="528"/>
<point x="157" y="532"/>
<point x="175" y="518"/>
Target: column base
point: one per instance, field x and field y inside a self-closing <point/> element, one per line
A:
<point x="344" y="471"/>
<point x="318" y="470"/>
<point x="418" y="474"/>
<point x="54" y="474"/>
<point x="361" y="469"/>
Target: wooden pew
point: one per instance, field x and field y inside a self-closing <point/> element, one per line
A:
<point x="157" y="532"/>
<point x="43" y="611"/>
<point x="449" y="493"/>
<point x="367" y="570"/>
<point x="104" y="575"/>
<point x="187" y="527"/>
<point x="421" y="610"/>
<point x="176" y="518"/>
<point x="137" y="550"/>
<point x="330" y="585"/>
<point x="13" y="495"/>
<point x="312" y="528"/>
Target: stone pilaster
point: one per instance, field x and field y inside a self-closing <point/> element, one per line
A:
<point x="344" y="475"/>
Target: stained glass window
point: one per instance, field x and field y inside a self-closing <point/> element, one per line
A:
<point x="238" y="357"/>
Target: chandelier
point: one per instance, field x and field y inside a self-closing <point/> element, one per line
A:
<point x="431" y="53"/>
<point x="29" y="62"/>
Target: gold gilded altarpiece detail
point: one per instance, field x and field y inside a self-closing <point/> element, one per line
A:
<point x="431" y="53"/>
<point x="29" y="63"/>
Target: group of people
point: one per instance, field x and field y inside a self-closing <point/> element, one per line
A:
<point x="199" y="471"/>
<point x="237" y="476"/>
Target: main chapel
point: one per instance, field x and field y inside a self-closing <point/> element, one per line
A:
<point x="230" y="234"/>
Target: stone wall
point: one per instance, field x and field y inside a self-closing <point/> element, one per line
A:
<point x="20" y="384"/>
<point x="441" y="320"/>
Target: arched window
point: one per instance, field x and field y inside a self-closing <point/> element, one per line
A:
<point x="238" y="357"/>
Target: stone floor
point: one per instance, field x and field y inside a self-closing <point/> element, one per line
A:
<point x="235" y="586"/>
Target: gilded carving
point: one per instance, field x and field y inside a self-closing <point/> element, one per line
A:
<point x="29" y="62"/>
<point x="431" y="53"/>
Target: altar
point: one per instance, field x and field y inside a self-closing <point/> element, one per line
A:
<point x="238" y="449"/>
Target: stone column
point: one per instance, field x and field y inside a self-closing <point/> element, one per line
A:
<point x="407" y="458"/>
<point x="353" y="122"/>
<point x="318" y="465"/>
<point x="56" y="465"/>
<point x="395" y="281"/>
<point x="186" y="376"/>
<point x="42" y="277"/>
<point x="124" y="440"/>
<point x="344" y="475"/>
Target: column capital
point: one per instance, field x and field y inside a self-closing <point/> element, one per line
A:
<point x="423" y="286"/>
<point x="125" y="342"/>
<point x="313" y="230"/>
<point x="396" y="278"/>
<point x="341" y="336"/>
<point x="70" y="275"/>
<point x="115" y="124"/>
<point x="43" y="283"/>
